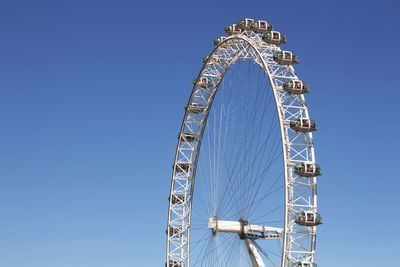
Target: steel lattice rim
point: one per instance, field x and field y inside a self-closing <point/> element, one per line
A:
<point x="247" y="45"/>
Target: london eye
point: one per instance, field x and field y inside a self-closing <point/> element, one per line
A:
<point x="244" y="180"/>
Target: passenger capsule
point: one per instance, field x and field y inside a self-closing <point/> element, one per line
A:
<point x="203" y="82"/>
<point x="173" y="264"/>
<point x="246" y="24"/>
<point x="219" y="40"/>
<point x="295" y="87"/>
<point x="307" y="169"/>
<point x="308" y="218"/>
<point x="182" y="167"/>
<point x="175" y="232"/>
<point x="177" y="199"/>
<point x="285" y="58"/>
<point x="188" y="137"/>
<point x="303" y="125"/>
<point x="195" y="108"/>
<point x="261" y="26"/>
<point x="302" y="264"/>
<point x="233" y="29"/>
<point x="274" y="37"/>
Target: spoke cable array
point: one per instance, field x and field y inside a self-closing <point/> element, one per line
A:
<point x="248" y="113"/>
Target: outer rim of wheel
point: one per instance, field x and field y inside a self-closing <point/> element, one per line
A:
<point x="178" y="248"/>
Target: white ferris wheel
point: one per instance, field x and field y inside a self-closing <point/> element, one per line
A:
<point x="244" y="187"/>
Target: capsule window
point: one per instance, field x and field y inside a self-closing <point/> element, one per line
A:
<point x="188" y="137"/>
<point x="174" y="232"/>
<point x="275" y="36"/>
<point x="288" y="55"/>
<point x="310" y="168"/>
<point x="305" y="123"/>
<point x="182" y="167"/>
<point x="298" y="84"/>
<point x="195" y="108"/>
<point x="249" y="22"/>
<point x="263" y="25"/>
<point x="174" y="264"/>
<point x="178" y="199"/>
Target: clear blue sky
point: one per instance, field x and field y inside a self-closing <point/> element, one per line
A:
<point x="91" y="99"/>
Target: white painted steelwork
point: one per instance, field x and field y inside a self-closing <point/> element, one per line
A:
<point x="243" y="228"/>
<point x="298" y="242"/>
<point x="254" y="254"/>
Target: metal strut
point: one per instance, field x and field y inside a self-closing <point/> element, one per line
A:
<point x="254" y="254"/>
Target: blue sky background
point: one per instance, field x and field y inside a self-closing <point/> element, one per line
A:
<point x="91" y="99"/>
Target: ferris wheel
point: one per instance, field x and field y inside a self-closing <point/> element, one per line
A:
<point x="246" y="142"/>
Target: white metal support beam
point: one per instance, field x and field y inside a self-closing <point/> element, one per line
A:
<point x="254" y="254"/>
<point x="245" y="229"/>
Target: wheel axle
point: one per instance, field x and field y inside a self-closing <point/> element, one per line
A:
<point x="244" y="229"/>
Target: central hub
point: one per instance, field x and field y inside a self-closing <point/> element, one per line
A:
<point x="243" y="224"/>
<point x="244" y="229"/>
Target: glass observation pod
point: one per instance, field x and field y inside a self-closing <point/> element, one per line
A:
<point x="274" y="37"/>
<point x="246" y="24"/>
<point x="203" y="82"/>
<point x="233" y="29"/>
<point x="174" y="232"/>
<point x="303" y="125"/>
<point x="174" y="264"/>
<point x="178" y="199"/>
<point x="261" y="26"/>
<point x="302" y="264"/>
<point x="182" y="167"/>
<point x="295" y="87"/>
<point x="188" y="137"/>
<point x="195" y="108"/>
<point x="308" y="218"/>
<point x="285" y="58"/>
<point x="219" y="40"/>
<point x="307" y="169"/>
